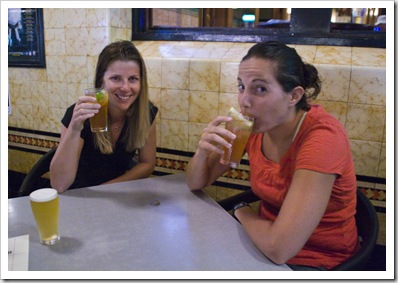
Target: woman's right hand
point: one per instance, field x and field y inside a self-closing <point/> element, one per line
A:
<point x="213" y="136"/>
<point x="86" y="107"/>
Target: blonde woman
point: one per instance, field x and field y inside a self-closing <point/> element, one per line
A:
<point x="86" y="159"/>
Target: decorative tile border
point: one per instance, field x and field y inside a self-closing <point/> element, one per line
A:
<point x="174" y="161"/>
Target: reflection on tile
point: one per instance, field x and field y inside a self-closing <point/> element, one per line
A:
<point x="368" y="85"/>
<point x="184" y="49"/>
<point x="203" y="106"/>
<point x="335" y="82"/>
<point x="174" y="104"/>
<point x="175" y="73"/>
<point x="228" y="76"/>
<point x="97" y="39"/>
<point x="335" y="55"/>
<point x="97" y="17"/>
<point x="174" y="134"/>
<point x="366" y="156"/>
<point x="204" y="75"/>
<point x="363" y="56"/>
<point x="213" y="50"/>
<point x="156" y="48"/>
<point x="365" y="122"/>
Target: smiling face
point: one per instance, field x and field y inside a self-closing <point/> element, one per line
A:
<point x="122" y="80"/>
<point x="262" y="97"/>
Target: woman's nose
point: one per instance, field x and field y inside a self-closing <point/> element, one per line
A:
<point x="244" y="99"/>
<point x="125" y="85"/>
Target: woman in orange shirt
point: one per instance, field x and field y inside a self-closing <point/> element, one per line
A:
<point x="300" y="163"/>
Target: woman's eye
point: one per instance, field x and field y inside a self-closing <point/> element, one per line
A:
<point x="261" y="89"/>
<point x="241" y="88"/>
<point x="134" y="79"/>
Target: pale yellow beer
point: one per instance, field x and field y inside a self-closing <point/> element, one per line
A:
<point x="99" y="122"/>
<point x="241" y="126"/>
<point x="45" y="208"/>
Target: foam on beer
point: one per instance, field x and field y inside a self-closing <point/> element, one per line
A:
<point x="236" y="115"/>
<point x="43" y="195"/>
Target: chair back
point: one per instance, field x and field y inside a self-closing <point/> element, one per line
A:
<point x="33" y="180"/>
<point x="368" y="229"/>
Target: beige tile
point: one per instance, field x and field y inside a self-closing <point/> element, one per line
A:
<point x="368" y="85"/>
<point x="365" y="122"/>
<point x="228" y="100"/>
<point x="175" y="74"/>
<point x="237" y="52"/>
<point x="54" y="120"/>
<point x="335" y="82"/>
<point x="39" y="94"/>
<point x="56" y="71"/>
<point x="204" y="75"/>
<point x="54" y="18"/>
<point x="337" y="109"/>
<point x="203" y="106"/>
<point x="154" y="96"/>
<point x="76" y="41"/>
<point x="156" y="48"/>
<point x="57" y="95"/>
<point x="363" y="56"/>
<point x="335" y="55"/>
<point x="194" y="134"/>
<point x="38" y="74"/>
<point x="75" y="17"/>
<point x="117" y="34"/>
<point x="120" y="18"/>
<point x="73" y="92"/>
<point x="382" y="164"/>
<point x="174" y="104"/>
<point x="184" y="49"/>
<point x="154" y="71"/>
<point x="174" y="134"/>
<point x="54" y="41"/>
<point x="306" y="52"/>
<point x="213" y="50"/>
<point x="76" y="69"/>
<point x="97" y="17"/>
<point x="97" y="39"/>
<point x="228" y="76"/>
<point x="366" y="157"/>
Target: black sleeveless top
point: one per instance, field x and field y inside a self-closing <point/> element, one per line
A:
<point x="95" y="167"/>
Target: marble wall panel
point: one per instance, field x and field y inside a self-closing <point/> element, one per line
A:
<point x="203" y="106"/>
<point x="54" y="18"/>
<point x="227" y="100"/>
<point x="368" y="85"/>
<point x="76" y="43"/>
<point x="366" y="155"/>
<point x="56" y="71"/>
<point x="228" y="76"/>
<point x="98" y="17"/>
<point x="175" y="73"/>
<point x="204" y="75"/>
<point x="76" y="69"/>
<point x="174" y="134"/>
<point x="337" y="109"/>
<point x="174" y="104"/>
<point x="306" y="52"/>
<point x="365" y="122"/>
<point x="333" y="55"/>
<point x="54" y="40"/>
<point x="75" y="17"/>
<point x="154" y="71"/>
<point x="363" y="56"/>
<point x="195" y="131"/>
<point x="335" y="82"/>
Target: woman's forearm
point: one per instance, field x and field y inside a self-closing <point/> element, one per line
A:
<point x="65" y="162"/>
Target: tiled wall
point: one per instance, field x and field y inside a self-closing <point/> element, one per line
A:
<point x="191" y="83"/>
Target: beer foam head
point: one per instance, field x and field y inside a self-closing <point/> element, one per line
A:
<point x="236" y="115"/>
<point x="43" y="195"/>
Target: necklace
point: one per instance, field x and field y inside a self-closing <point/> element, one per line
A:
<point x="299" y="125"/>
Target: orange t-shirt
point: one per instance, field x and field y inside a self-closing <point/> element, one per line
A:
<point x="321" y="145"/>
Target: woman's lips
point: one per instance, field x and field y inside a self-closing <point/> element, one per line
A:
<point x="123" y="97"/>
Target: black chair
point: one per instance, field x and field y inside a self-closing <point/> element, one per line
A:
<point x="33" y="179"/>
<point x="367" y="224"/>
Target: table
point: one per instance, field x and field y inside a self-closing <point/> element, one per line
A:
<point x="153" y="224"/>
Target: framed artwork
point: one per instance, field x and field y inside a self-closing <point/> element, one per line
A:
<point x="26" y="38"/>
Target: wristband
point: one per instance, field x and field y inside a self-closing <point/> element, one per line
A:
<point x="239" y="205"/>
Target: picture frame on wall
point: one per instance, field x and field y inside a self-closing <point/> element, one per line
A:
<point x="26" y="38"/>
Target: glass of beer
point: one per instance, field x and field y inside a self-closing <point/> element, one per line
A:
<point x="45" y="208"/>
<point x="241" y="126"/>
<point x="99" y="122"/>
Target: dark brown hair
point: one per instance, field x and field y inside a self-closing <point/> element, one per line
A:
<point x="290" y="70"/>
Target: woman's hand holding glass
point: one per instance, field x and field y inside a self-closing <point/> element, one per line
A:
<point x="86" y="107"/>
<point x="213" y="137"/>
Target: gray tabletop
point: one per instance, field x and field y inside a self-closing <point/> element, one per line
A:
<point x="151" y="224"/>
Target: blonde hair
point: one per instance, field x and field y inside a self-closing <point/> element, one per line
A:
<point x="138" y="118"/>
